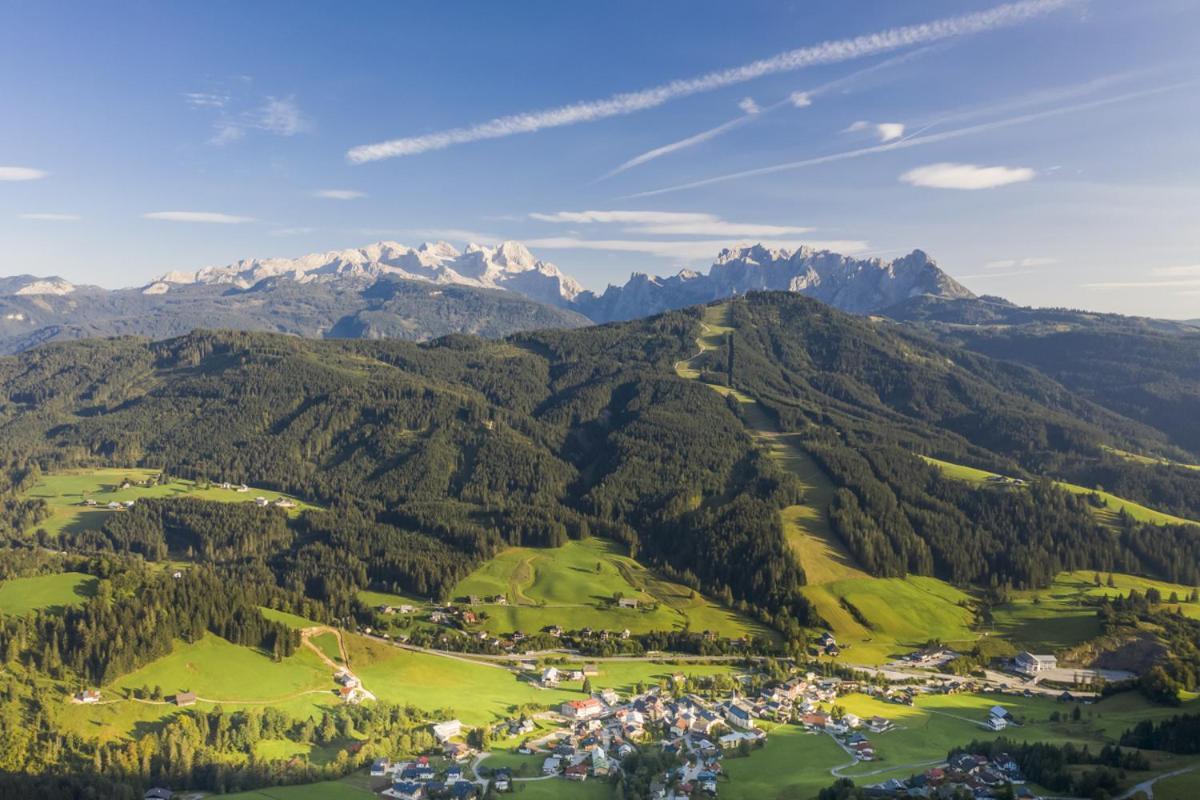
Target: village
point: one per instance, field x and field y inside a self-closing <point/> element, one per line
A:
<point x="695" y="730"/>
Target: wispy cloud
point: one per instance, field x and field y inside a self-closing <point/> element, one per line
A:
<point x="671" y="223"/>
<point x="695" y="250"/>
<point x="280" y="116"/>
<point x="682" y="144"/>
<point x="947" y="175"/>
<point x="1009" y="263"/>
<point x="987" y="276"/>
<point x="829" y="52"/>
<point x="748" y="106"/>
<point x="918" y="140"/>
<point x="794" y="100"/>
<point x="1186" y="269"/>
<point x="206" y="99"/>
<point x="21" y="174"/>
<point x="339" y="194"/>
<point x="197" y="216"/>
<point x="1166" y="284"/>
<point x="235" y="112"/>
<point x="886" y="131"/>
<point x="49" y="217"/>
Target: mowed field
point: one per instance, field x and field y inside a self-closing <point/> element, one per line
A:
<point x="574" y="586"/>
<point x="900" y="615"/>
<point x="22" y="595"/>
<point x="1107" y="514"/>
<point x="65" y="493"/>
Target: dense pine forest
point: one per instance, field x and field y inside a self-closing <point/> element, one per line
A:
<point x="431" y="457"/>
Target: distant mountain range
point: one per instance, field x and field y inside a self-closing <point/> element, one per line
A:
<point x="390" y="290"/>
<point x="860" y="286"/>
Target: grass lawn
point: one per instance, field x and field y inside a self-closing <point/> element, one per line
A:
<point x="1059" y="619"/>
<point x="792" y="765"/>
<point x="561" y="789"/>
<point x="291" y="620"/>
<point x="22" y="595"/>
<point x="328" y="644"/>
<point x="285" y="750"/>
<point x="901" y="614"/>
<point x="351" y="788"/>
<point x="65" y="492"/>
<point x="573" y="586"/>
<point x="1107" y="514"/>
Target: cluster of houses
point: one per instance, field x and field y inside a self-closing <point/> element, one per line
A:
<point x="350" y="688"/>
<point x="964" y="775"/>
<point x="113" y="505"/>
<point x="421" y="780"/>
<point x="551" y="677"/>
<point x="279" y="502"/>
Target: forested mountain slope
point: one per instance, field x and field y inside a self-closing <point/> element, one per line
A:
<point x="433" y="456"/>
<point x="1145" y="369"/>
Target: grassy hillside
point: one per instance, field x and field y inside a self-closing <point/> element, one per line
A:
<point x="65" y="492"/>
<point x="1108" y="513"/>
<point x="574" y="586"/>
<point x="894" y="615"/>
<point x="1054" y="618"/>
<point x="22" y="595"/>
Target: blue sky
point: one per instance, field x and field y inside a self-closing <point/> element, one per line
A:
<point x="1045" y="151"/>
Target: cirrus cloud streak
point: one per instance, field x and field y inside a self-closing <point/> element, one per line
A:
<point x="830" y="52"/>
<point x="211" y="217"/>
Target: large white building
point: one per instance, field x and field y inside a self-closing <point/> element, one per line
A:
<point x="1032" y="664"/>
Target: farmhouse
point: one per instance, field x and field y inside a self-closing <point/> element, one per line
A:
<point x="627" y="602"/>
<point x="88" y="696"/>
<point x="1032" y="664"/>
<point x="185" y="698"/>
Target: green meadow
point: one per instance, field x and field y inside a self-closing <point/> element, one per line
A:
<point x="351" y="788"/>
<point x="22" y="595"/>
<point x="291" y="620"/>
<point x="575" y="585"/>
<point x="1056" y="617"/>
<point x="895" y="615"/>
<point x="65" y="493"/>
<point x="792" y="764"/>
<point x="479" y="692"/>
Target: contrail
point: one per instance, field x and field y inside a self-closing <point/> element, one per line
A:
<point x="914" y="141"/>
<point x="725" y="127"/>
<point x="830" y="52"/>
